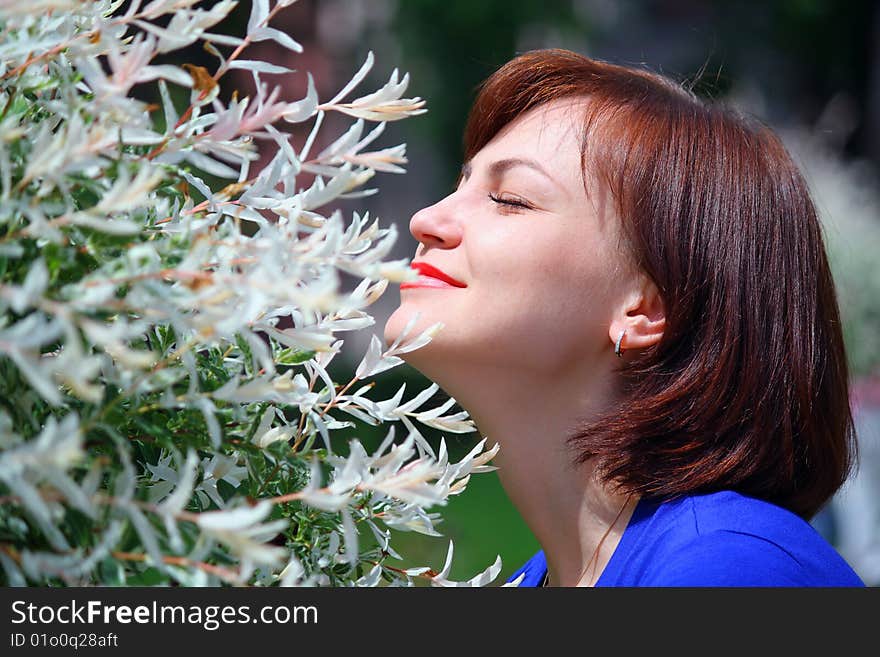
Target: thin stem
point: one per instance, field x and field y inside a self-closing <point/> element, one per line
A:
<point x="10" y="552"/>
<point x="290" y="497"/>
<point x="8" y="103"/>
<point x="162" y="273"/>
<point x="18" y="70"/>
<point x="428" y="574"/>
<point x="223" y="573"/>
<point x="299" y="430"/>
<point x="332" y="402"/>
<point x="247" y="41"/>
<point x="105" y="500"/>
<point x="323" y="412"/>
<point x="268" y="479"/>
<point x="220" y="72"/>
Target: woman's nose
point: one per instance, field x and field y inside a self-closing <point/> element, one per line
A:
<point x="436" y="225"/>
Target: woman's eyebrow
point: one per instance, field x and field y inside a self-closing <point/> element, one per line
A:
<point x="499" y="167"/>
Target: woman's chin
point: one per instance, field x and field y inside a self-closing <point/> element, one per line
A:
<point x="421" y="358"/>
<point x="393" y="327"/>
<point x="397" y="323"/>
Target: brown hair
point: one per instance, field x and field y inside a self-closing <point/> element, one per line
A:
<point x="748" y="388"/>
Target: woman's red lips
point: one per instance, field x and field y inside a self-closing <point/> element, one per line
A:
<point x="432" y="272"/>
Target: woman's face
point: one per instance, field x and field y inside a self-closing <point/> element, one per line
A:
<point x="538" y="255"/>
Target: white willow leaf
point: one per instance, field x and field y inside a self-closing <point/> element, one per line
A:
<point x="350" y="534"/>
<point x="259" y="14"/>
<point x="260" y="67"/>
<point x="37" y="508"/>
<point x="419" y="341"/>
<point x="234" y="519"/>
<point x="210" y="165"/>
<point x="371" y="359"/>
<point x="276" y="434"/>
<point x="105" y="224"/>
<point x="223" y="39"/>
<point x="35" y="283"/>
<point x="140" y="137"/>
<point x="207" y="408"/>
<point x="372" y="578"/>
<point x="345" y="143"/>
<point x="147" y="534"/>
<point x="176" y="502"/>
<point x="14" y="576"/>
<point x="419" y="399"/>
<point x="436" y="412"/>
<point x="356" y="80"/>
<point x="165" y="72"/>
<point x="279" y="37"/>
<point x="324" y="501"/>
<point x="484" y="578"/>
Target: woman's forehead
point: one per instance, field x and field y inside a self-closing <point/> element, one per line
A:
<point x="555" y="120"/>
<point x="550" y="134"/>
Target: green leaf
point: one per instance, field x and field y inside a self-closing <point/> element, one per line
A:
<point x="291" y="356"/>
<point x="111" y="573"/>
<point x="149" y="577"/>
<point x="245" y="349"/>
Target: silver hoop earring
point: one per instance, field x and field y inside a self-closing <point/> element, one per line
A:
<point x="617" y="344"/>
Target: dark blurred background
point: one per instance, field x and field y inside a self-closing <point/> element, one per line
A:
<point x="809" y="68"/>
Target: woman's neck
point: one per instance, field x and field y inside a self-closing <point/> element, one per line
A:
<point x="564" y="505"/>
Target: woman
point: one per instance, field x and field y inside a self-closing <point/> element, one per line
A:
<point x="637" y="306"/>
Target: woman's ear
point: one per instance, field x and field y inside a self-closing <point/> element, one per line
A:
<point x="642" y="316"/>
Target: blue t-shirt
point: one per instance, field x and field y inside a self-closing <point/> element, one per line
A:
<point x="718" y="539"/>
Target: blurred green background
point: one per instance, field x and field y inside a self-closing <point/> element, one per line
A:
<point x="809" y="68"/>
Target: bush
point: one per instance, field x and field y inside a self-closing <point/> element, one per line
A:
<point x="167" y="412"/>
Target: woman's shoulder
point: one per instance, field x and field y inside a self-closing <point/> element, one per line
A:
<point x="729" y="539"/>
<point x="721" y="539"/>
<point x="703" y="514"/>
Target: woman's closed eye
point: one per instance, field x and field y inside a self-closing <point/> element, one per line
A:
<point x="511" y="202"/>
